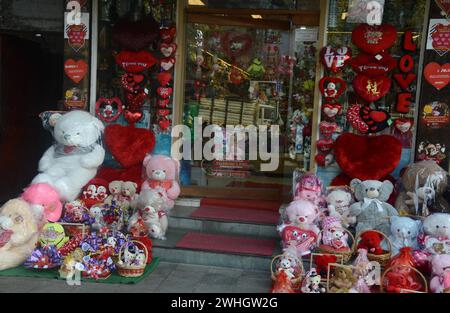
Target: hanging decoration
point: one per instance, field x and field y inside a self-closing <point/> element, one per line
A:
<point x="373" y="39"/>
<point x="335" y="59"/>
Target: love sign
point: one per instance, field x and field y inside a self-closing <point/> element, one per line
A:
<point x="335" y="59"/>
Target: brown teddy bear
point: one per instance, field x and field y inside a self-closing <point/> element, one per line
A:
<point x="424" y="184"/>
<point x="343" y="280"/>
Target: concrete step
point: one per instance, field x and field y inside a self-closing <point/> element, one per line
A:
<point x="167" y="251"/>
<point x="180" y="218"/>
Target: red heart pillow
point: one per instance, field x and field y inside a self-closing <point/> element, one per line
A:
<point x="135" y="62"/>
<point x="129" y="145"/>
<point x="365" y="157"/>
<point x="373" y="65"/>
<point x="371" y="89"/>
<point x="374" y="38"/>
<point x="135" y="35"/>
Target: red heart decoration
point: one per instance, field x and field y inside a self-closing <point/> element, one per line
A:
<point x="104" y="109"/>
<point x="403" y="124"/>
<point x="135" y="101"/>
<point x="238" y="44"/>
<point x="167" y="34"/>
<point x="135" y="35"/>
<point x="334" y="87"/>
<point x="167" y="63"/>
<point x="331" y="110"/>
<point x="320" y="160"/>
<point x="168" y="49"/>
<point x="163" y="123"/>
<point x="377" y="120"/>
<point x="76" y="36"/>
<point x="373" y="65"/>
<point x="133" y="117"/>
<point x="163" y="103"/>
<point x="164" y="92"/>
<point x="325" y="145"/>
<point x="75" y="70"/>
<point x="373" y="39"/>
<point x="133" y="82"/>
<point x="164" y="78"/>
<point x="335" y="59"/>
<point x="135" y="62"/>
<point x="163" y="112"/>
<point x="129" y="145"/>
<point x="327" y="129"/>
<point x="437" y="75"/>
<point x="441" y="38"/>
<point x="371" y="89"/>
<point x="355" y="120"/>
<point x="367" y="157"/>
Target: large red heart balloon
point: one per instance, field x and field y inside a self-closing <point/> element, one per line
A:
<point x="373" y="39"/>
<point x="129" y="145"/>
<point x="75" y="70"/>
<point x="335" y="59"/>
<point x="135" y="35"/>
<point x="437" y="75"/>
<point x="135" y="62"/>
<point x="367" y="157"/>
<point x="373" y="65"/>
<point x="371" y="89"/>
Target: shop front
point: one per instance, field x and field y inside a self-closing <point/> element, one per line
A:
<point x="217" y="127"/>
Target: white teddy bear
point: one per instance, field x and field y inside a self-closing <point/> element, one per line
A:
<point x="339" y="201"/>
<point x="286" y="265"/>
<point x="73" y="161"/>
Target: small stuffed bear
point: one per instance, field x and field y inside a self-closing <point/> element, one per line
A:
<point x="302" y="213"/>
<point x="436" y="235"/>
<point x="115" y="191"/>
<point x="371" y="241"/>
<point x="286" y="265"/>
<point x="339" y="201"/>
<point x="342" y="280"/>
<point x="73" y="161"/>
<point x="312" y="283"/>
<point x="404" y="232"/>
<point x="372" y="211"/>
<point x="440" y="265"/>
<point x="334" y="236"/>
<point x="162" y="173"/>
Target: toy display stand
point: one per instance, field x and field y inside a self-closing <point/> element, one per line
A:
<point x="299" y="275"/>
<point x="402" y="290"/>
<point x="132" y="270"/>
<point x="384" y="258"/>
<point x="346" y="255"/>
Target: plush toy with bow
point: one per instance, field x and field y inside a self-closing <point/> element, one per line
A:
<point x="372" y="211"/>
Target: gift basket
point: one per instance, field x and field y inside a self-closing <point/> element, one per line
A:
<point x="333" y="239"/>
<point x="133" y="257"/>
<point x="371" y="240"/>
<point x="290" y="264"/>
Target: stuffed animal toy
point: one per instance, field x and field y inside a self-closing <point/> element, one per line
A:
<point x="423" y="186"/>
<point x="129" y="192"/>
<point x="436" y="237"/>
<point x="94" y="192"/>
<point x="309" y="187"/>
<point x="312" y="283"/>
<point x="18" y="233"/>
<point x="303" y="214"/>
<point x="371" y="241"/>
<point x="286" y="264"/>
<point x="115" y="191"/>
<point x="339" y="201"/>
<point x="321" y="262"/>
<point x="44" y="202"/>
<point x="372" y="211"/>
<point x="162" y="174"/>
<point x="342" y="281"/>
<point x="96" y="212"/>
<point x="73" y="161"/>
<point x="404" y="232"/>
<point x="365" y="269"/>
<point x="299" y="240"/>
<point x="440" y="265"/>
<point x="334" y="236"/>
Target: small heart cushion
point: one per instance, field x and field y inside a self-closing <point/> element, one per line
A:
<point x="371" y="89"/>
<point x="373" y="65"/>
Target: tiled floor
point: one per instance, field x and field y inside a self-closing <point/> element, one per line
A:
<point x="168" y="277"/>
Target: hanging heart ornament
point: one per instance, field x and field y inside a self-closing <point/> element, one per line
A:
<point x="335" y="59"/>
<point x="132" y="117"/>
<point x="164" y="92"/>
<point x="332" y="87"/>
<point x="373" y="39"/>
<point x="371" y="89"/>
<point x="164" y="78"/>
<point x="331" y="110"/>
<point x="354" y="118"/>
<point x="168" y="49"/>
<point x="167" y="34"/>
<point x="403" y="125"/>
<point x="373" y="65"/>
<point x="133" y="83"/>
<point x="108" y="109"/>
<point x="167" y="63"/>
<point x="376" y="120"/>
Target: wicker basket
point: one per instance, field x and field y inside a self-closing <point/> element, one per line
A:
<point x="422" y="277"/>
<point x="346" y="255"/>
<point x="132" y="270"/>
<point x="295" y="281"/>
<point x="384" y="258"/>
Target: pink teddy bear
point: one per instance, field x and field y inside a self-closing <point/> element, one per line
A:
<point x="309" y="187"/>
<point x="303" y="214"/>
<point x="440" y="264"/>
<point x="162" y="172"/>
<point x="44" y="202"/>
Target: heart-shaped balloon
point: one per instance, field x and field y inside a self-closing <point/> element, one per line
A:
<point x="325" y="145"/>
<point x="327" y="129"/>
<point x="376" y="120"/>
<point x="354" y="118"/>
<point x="331" y="110"/>
<point x="129" y="145"/>
<point x="164" y="92"/>
<point x="332" y="87"/>
<point x="403" y="124"/>
<point x="135" y="35"/>
<point x="108" y="109"/>
<point x="373" y="39"/>
<point x="164" y="78"/>
<point x="367" y="157"/>
<point x="132" y="117"/>
<point x="371" y="89"/>
<point x="163" y="112"/>
<point x="135" y="62"/>
<point x="167" y="63"/>
<point x="163" y="123"/>
<point x="167" y="34"/>
<point x="163" y="103"/>
<point x="133" y="83"/>
<point x="168" y="49"/>
<point x="335" y="59"/>
<point x="373" y="65"/>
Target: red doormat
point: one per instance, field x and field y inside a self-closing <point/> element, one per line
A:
<point x="236" y="214"/>
<point x="251" y="184"/>
<point x="241" y="204"/>
<point x="228" y="244"/>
